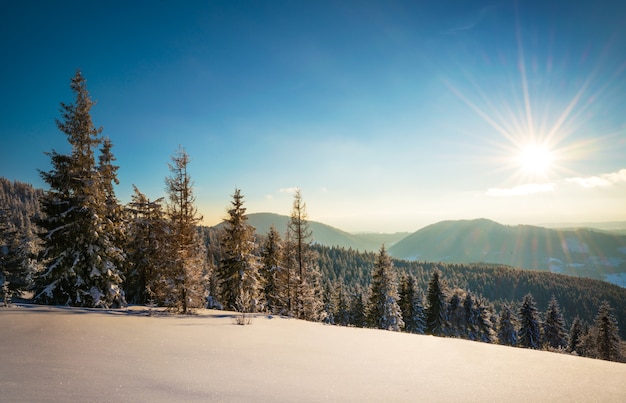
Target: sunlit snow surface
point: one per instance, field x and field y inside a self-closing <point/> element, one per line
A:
<point x="68" y="354"/>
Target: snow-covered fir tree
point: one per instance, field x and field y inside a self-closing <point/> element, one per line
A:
<point x="483" y="326"/>
<point x="273" y="274"/>
<point x="606" y="334"/>
<point x="411" y="305"/>
<point x="357" y="309"/>
<point x="81" y="254"/>
<point x="576" y="334"/>
<point x="239" y="269"/>
<point x="436" y="306"/>
<point x="328" y="300"/>
<point x="147" y="248"/>
<point x="383" y="311"/>
<point x="529" y="334"/>
<point x="182" y="284"/>
<point x="342" y="313"/>
<point x="507" y="327"/>
<point x="455" y="325"/>
<point x="554" y="333"/>
<point x="305" y="293"/>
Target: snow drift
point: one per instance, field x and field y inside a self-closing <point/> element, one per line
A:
<point x="70" y="354"/>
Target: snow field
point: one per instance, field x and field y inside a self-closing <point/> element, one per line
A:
<point x="70" y="354"/>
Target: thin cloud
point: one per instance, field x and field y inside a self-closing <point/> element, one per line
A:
<point x="290" y="190"/>
<point x="521" y="190"/>
<point x="604" y="180"/>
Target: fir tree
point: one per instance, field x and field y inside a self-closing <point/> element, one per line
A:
<point x="148" y="244"/>
<point x="507" y="333"/>
<point x="554" y="333"/>
<point x="436" y="306"/>
<point x="357" y="310"/>
<point x="529" y="334"/>
<point x="576" y="334"/>
<point x="607" y="340"/>
<point x="342" y="314"/>
<point x="304" y="274"/>
<point x="182" y="286"/>
<point x="239" y="271"/>
<point x="383" y="309"/>
<point x="81" y="255"/>
<point x="273" y="274"/>
<point x="411" y="305"/>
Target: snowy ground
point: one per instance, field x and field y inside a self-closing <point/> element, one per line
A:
<point x="68" y="354"/>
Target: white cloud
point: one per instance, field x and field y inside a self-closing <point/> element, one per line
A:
<point x="602" y="180"/>
<point x="269" y="197"/>
<point x="521" y="190"/>
<point x="290" y="190"/>
<point x="324" y="189"/>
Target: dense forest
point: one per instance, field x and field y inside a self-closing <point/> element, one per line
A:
<point x="75" y="244"/>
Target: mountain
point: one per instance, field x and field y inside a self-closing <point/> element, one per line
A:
<point x="325" y="234"/>
<point x="582" y="252"/>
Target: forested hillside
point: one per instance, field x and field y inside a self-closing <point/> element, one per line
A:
<point x="19" y="202"/>
<point x="499" y="284"/>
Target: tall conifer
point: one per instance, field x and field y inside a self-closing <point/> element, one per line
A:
<point x="82" y="254"/>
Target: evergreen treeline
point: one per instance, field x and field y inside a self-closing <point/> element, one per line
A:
<point x="92" y="251"/>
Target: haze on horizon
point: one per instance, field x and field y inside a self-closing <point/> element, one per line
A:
<point x="389" y="116"/>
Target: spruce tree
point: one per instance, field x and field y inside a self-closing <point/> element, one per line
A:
<point x="575" y="336"/>
<point x="607" y="340"/>
<point x="81" y="254"/>
<point x="357" y="310"/>
<point x="507" y="333"/>
<point x="529" y="334"/>
<point x="436" y="306"/>
<point x="239" y="271"/>
<point x="342" y="314"/>
<point x="554" y="333"/>
<point x="304" y="278"/>
<point x="273" y="274"/>
<point x="147" y="248"/>
<point x="181" y="285"/>
<point x="383" y="309"/>
<point x="411" y="305"/>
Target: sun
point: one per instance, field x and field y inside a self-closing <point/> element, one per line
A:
<point x="535" y="159"/>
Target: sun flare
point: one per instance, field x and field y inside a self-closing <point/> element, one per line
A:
<point x="535" y="159"/>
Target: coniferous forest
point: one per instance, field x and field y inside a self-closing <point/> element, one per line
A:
<point x="75" y="244"/>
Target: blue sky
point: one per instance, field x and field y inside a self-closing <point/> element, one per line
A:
<point x="389" y="116"/>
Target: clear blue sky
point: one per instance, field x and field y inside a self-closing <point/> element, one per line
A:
<point x="388" y="115"/>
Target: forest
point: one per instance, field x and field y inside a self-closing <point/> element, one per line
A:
<point x="75" y="244"/>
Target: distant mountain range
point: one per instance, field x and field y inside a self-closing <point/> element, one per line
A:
<point x="325" y="234"/>
<point x="583" y="252"/>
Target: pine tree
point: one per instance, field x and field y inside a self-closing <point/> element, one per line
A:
<point x="483" y="324"/>
<point x="342" y="314"/>
<point x="607" y="340"/>
<point x="82" y="254"/>
<point x="239" y="271"/>
<point x="273" y="274"/>
<point x="383" y="310"/>
<point x="507" y="333"/>
<point x="575" y="336"/>
<point x="411" y="305"/>
<point x="304" y="274"/>
<point x="148" y="244"/>
<point x="357" y="310"/>
<point x="436" y="306"/>
<point x="554" y="333"/>
<point x="530" y="329"/>
<point x="182" y="286"/>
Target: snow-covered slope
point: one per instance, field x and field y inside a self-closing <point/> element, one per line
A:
<point x="68" y="354"/>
